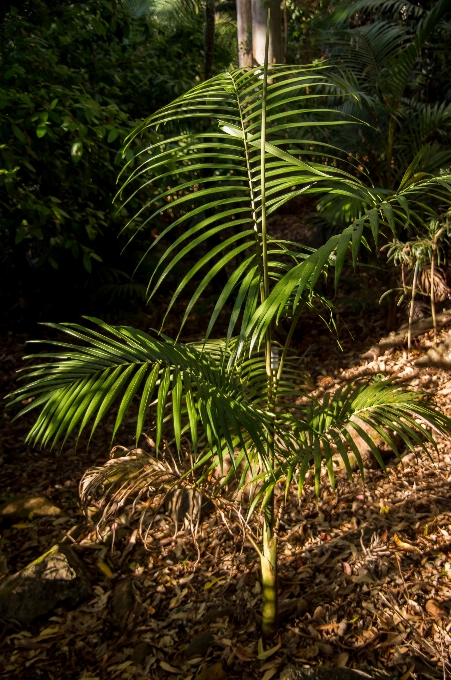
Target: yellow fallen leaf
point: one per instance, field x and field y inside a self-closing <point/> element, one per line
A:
<point x="213" y="582"/>
<point x="261" y="654"/>
<point x="341" y="660"/>
<point x="167" y="667"/>
<point x="408" y="673"/>
<point x="21" y="526"/>
<point x="270" y="673"/>
<point x="402" y="545"/>
<point x="120" y="666"/>
<point x="105" y="569"/>
<point x="49" y="632"/>
<point x="269" y="665"/>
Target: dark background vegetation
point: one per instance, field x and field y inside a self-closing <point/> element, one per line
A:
<point x="76" y="78"/>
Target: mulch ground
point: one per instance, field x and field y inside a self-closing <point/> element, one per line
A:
<point x="364" y="571"/>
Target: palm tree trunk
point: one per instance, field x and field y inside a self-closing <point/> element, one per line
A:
<point x="268" y="557"/>
<point x="244" y="29"/>
<point x="268" y="561"/>
<point x="209" y="38"/>
<point x="259" y="19"/>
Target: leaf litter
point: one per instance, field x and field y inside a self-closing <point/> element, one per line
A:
<point x="364" y="572"/>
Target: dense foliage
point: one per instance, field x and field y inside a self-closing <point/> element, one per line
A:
<point x="75" y="79"/>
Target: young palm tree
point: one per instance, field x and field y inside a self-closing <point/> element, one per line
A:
<point x="250" y="153"/>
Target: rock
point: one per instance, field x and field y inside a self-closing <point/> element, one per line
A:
<point x="24" y="507"/>
<point x="141" y="652"/>
<point x="199" y="644"/>
<point x="329" y="673"/>
<point x="57" y="578"/>
<point x="123" y="600"/>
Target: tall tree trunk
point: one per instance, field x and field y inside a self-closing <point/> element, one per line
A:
<point x="209" y="38"/>
<point x="244" y="25"/>
<point x="259" y="16"/>
<point x="285" y="32"/>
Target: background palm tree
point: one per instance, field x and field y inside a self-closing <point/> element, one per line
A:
<point x="389" y="54"/>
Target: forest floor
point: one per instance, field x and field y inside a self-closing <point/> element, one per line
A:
<point x="365" y="571"/>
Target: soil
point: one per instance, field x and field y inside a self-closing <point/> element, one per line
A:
<point x="364" y="571"/>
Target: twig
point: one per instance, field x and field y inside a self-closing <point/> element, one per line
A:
<point x="414" y="284"/>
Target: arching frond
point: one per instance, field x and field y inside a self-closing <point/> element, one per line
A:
<point x="380" y="411"/>
<point x="202" y="386"/>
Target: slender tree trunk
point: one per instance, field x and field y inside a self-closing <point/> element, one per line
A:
<point x="432" y="291"/>
<point x="412" y="304"/>
<point x="209" y="38"/>
<point x="244" y="26"/>
<point x="285" y="31"/>
<point x="268" y="561"/>
<point x="259" y="18"/>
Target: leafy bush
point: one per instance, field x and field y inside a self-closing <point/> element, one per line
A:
<point x="75" y="79"/>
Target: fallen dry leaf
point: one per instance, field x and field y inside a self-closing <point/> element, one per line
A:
<point x="406" y="547"/>
<point x="105" y="569"/>
<point x="214" y="672"/>
<point x="262" y="654"/>
<point x="435" y="610"/>
<point x="341" y="660"/>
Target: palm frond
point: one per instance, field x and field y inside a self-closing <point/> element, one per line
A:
<point x="377" y="411"/>
<point x="77" y="386"/>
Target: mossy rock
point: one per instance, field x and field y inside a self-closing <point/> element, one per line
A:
<point x="57" y="578"/>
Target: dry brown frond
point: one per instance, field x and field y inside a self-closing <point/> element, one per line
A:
<point x="133" y="485"/>
<point x="442" y="291"/>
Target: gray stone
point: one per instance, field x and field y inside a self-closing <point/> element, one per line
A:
<point x="199" y="644"/>
<point x="57" y="578"/>
<point x="329" y="673"/>
<point x="24" y="507"/>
